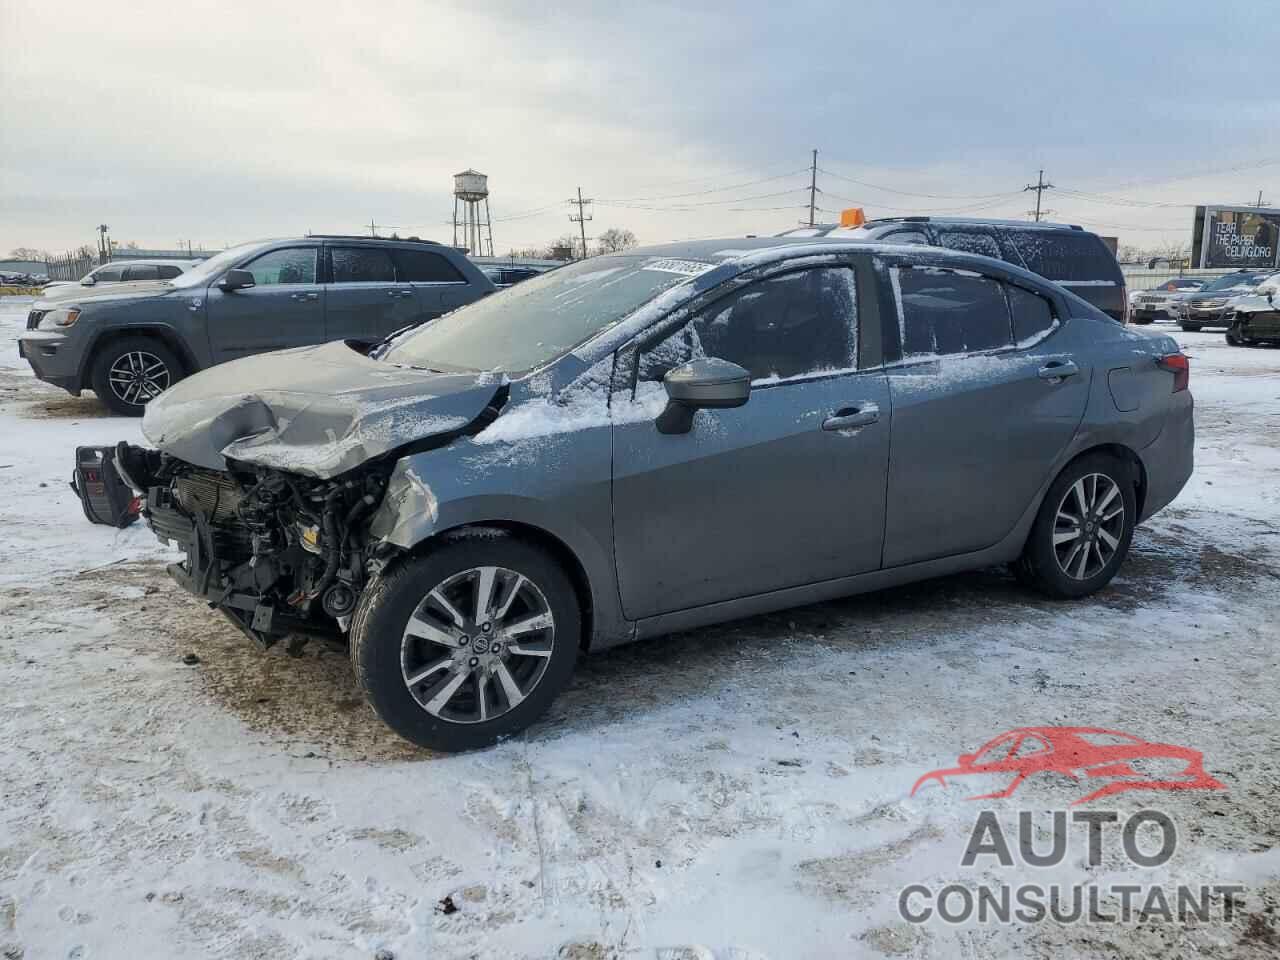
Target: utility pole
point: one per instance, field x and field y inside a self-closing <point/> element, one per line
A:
<point x="104" y="244"/>
<point x="1260" y="204"/>
<point x="813" y="186"/>
<point x="581" y="218"/>
<point x="1039" y="187"/>
<point x="373" y="228"/>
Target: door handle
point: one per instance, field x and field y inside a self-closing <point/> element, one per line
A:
<point x="1056" y="371"/>
<point x="301" y="297"/>
<point x="399" y="293"/>
<point x="849" y="418"/>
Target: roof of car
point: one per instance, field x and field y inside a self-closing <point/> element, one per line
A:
<point x="718" y="251"/>
<point x="980" y="221"/>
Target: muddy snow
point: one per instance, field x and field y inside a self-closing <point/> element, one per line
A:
<point x="736" y="792"/>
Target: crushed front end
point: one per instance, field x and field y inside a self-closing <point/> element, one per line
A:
<point x="278" y="553"/>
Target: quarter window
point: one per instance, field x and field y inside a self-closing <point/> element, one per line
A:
<point x="293" y="265"/>
<point x="1032" y="315"/>
<point x="423" y="266"/>
<point x="167" y="271"/>
<point x="945" y="312"/>
<point x="788" y="326"/>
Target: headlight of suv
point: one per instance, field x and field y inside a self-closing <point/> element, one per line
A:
<point x="59" y="318"/>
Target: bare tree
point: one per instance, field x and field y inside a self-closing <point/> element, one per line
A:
<point x="615" y="240"/>
<point x="29" y="253"/>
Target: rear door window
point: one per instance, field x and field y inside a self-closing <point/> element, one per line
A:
<point x="362" y="265"/>
<point x="1065" y="255"/>
<point x="945" y="312"/>
<point x="423" y="266"/>
<point x="970" y="241"/>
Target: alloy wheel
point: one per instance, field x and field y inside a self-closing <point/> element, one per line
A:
<point x="1088" y="526"/>
<point x="137" y="377"/>
<point x="477" y="644"/>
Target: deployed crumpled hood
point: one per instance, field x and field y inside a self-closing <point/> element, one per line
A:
<point x="317" y="411"/>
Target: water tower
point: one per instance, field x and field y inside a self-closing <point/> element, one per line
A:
<point x="471" y="189"/>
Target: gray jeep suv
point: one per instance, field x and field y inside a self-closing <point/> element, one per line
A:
<point x="646" y="442"/>
<point x="129" y="344"/>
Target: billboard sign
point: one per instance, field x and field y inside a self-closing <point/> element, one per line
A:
<point x="1236" y="237"/>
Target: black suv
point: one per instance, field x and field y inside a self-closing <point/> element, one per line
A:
<point x="130" y="343"/>
<point x="1068" y="255"/>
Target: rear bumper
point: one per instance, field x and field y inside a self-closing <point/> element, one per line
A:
<point x="1170" y="459"/>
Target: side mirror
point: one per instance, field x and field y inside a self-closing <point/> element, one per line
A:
<point x="235" y="280"/>
<point x="709" y="384"/>
<point x="88" y="281"/>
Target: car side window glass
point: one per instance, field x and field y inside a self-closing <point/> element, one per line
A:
<point x="362" y="265"/>
<point x="109" y="275"/>
<point x="292" y="265"/>
<point x="1032" y="315"/>
<point x="907" y="236"/>
<point x="944" y="312"/>
<point x="982" y="243"/>
<point x="167" y="272"/>
<point x="787" y="326"/>
<point x="423" y="266"/>
<point x="140" y="273"/>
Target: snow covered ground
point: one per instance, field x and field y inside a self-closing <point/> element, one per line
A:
<point x="741" y="791"/>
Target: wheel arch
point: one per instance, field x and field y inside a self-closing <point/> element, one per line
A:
<point x="560" y="551"/>
<point x="1126" y="455"/>
<point x="165" y="335"/>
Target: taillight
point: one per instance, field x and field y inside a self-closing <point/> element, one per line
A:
<point x="1179" y="366"/>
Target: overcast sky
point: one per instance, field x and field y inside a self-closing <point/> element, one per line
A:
<point x="221" y="122"/>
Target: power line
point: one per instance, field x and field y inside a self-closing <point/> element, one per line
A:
<point x="699" y="193"/>
<point x="910" y="193"/>
<point x="1039" y="187"/>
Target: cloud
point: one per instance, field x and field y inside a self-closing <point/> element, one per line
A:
<point x="221" y="122"/>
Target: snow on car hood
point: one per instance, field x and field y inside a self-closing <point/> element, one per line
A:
<point x="103" y="291"/>
<point x="317" y="411"/>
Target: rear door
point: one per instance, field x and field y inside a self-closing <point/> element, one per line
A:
<point x="770" y="495"/>
<point x="364" y="299"/>
<point x="284" y="307"/>
<point x="1077" y="260"/>
<point x="437" y="284"/>
<point x="983" y="405"/>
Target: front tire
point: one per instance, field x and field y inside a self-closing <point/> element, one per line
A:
<point x="1083" y="530"/>
<point x="130" y="372"/>
<point x="1191" y="327"/>
<point x="468" y="643"/>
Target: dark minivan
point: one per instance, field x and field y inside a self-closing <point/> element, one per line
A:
<point x="1066" y="254"/>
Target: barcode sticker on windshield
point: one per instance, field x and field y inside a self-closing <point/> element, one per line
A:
<point x="686" y="268"/>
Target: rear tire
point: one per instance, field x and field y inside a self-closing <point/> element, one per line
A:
<point x="449" y="673"/>
<point x="1079" y="540"/>
<point x="130" y="372"/>
<point x="1191" y="327"/>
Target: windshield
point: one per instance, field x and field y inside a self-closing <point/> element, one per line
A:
<point x="202" y="273"/>
<point x="542" y="318"/>
<point x="1233" y="280"/>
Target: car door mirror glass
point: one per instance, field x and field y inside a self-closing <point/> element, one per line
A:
<point x="709" y="383"/>
<point x="236" y="280"/>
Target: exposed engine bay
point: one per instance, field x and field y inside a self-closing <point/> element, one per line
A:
<point x="280" y="554"/>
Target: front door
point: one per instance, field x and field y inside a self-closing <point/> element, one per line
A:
<point x="366" y="300"/>
<point x="284" y="307"/>
<point x="784" y="491"/>
<point x="979" y="418"/>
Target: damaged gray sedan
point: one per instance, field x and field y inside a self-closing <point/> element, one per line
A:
<point x="654" y="441"/>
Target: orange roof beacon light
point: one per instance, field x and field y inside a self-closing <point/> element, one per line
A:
<point x="853" y="217"/>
